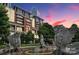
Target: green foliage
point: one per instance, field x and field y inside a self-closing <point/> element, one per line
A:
<point x="23" y="38"/>
<point x="47" y="31"/>
<point x="26" y="38"/>
<point x="2" y="46"/>
<point x="30" y="36"/>
<point x="1" y="42"/>
<point x="4" y="23"/>
<point x="76" y="32"/>
<point x="76" y="38"/>
<point x="74" y="26"/>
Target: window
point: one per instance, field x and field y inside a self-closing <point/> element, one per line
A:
<point x="19" y="19"/>
<point x="27" y="29"/>
<point x="20" y="22"/>
<point x="12" y="28"/>
<point x="19" y="16"/>
<point x="27" y="15"/>
<point x="37" y="19"/>
<point x="19" y="29"/>
<point x="5" y="4"/>
<point x="18" y="11"/>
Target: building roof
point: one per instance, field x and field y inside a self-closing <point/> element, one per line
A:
<point x="38" y="17"/>
<point x="28" y="12"/>
<point x="21" y="9"/>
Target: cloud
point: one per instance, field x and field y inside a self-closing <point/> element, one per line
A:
<point x="74" y="7"/>
<point x="49" y="20"/>
<point x="67" y="24"/>
<point x="76" y="20"/>
<point x="62" y="21"/>
<point x="67" y="19"/>
<point x="58" y="22"/>
<point x="68" y="16"/>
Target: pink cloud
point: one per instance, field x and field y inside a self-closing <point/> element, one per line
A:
<point x="49" y="19"/>
<point x="58" y="22"/>
<point x="68" y="17"/>
<point x="67" y="24"/>
<point x="74" y="7"/>
<point x="67" y="20"/>
<point x="76" y="20"/>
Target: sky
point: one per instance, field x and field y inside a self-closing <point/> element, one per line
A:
<point x="55" y="13"/>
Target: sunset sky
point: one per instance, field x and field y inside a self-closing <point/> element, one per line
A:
<point x="55" y="13"/>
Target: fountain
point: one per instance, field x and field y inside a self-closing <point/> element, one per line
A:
<point x="62" y="38"/>
<point x="42" y="41"/>
<point x="36" y="50"/>
<point x="72" y="49"/>
<point x="44" y="49"/>
<point x="14" y="41"/>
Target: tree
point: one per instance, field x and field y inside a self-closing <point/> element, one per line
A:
<point x="23" y="38"/>
<point x="30" y="36"/>
<point x="75" y="30"/>
<point x="27" y="37"/>
<point x="76" y="38"/>
<point x="4" y="24"/>
<point x="47" y="31"/>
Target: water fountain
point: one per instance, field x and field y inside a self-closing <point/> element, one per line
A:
<point x="37" y="49"/>
<point x="62" y="38"/>
<point x="44" y="49"/>
<point x="72" y="49"/>
<point x="42" y="41"/>
<point x="14" y="41"/>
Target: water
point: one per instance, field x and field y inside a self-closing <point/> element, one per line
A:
<point x="42" y="41"/>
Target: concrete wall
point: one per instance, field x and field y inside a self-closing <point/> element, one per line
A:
<point x="11" y="14"/>
<point x="19" y="29"/>
<point x="33" y="22"/>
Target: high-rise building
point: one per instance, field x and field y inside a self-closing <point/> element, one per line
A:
<point x="22" y="20"/>
<point x="36" y="21"/>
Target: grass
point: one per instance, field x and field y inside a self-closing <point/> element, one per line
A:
<point x="23" y="45"/>
<point x="29" y="45"/>
<point x="2" y="46"/>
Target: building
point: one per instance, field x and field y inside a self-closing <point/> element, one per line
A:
<point x="11" y="15"/>
<point x="36" y="22"/>
<point x="22" y="20"/>
<point x="19" y="19"/>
